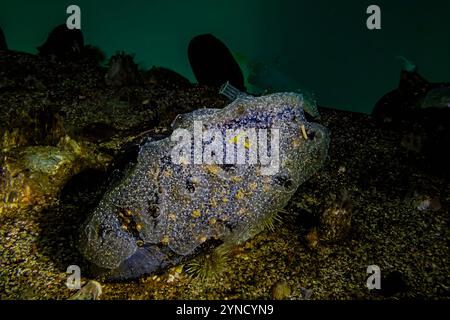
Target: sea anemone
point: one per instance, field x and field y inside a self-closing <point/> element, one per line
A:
<point x="209" y="266"/>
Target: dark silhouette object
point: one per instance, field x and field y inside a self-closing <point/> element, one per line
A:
<point x="419" y="111"/>
<point x="3" y="45"/>
<point x="408" y="99"/>
<point x="212" y="62"/>
<point x="122" y="71"/>
<point x="93" y="54"/>
<point x="395" y="104"/>
<point x="63" y="42"/>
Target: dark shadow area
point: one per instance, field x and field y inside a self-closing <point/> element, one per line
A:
<point x="60" y="224"/>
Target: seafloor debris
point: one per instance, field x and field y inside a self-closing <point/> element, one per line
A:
<point x="336" y="220"/>
<point x="429" y="204"/>
<point x="280" y="290"/>
<point x="90" y="291"/>
<point x="165" y="211"/>
<point x="312" y="238"/>
<point x="306" y="293"/>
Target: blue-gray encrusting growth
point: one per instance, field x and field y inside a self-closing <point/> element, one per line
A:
<point x="162" y="213"/>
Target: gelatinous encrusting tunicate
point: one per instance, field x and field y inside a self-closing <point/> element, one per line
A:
<point x="220" y="175"/>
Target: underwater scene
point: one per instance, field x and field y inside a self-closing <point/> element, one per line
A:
<point x="238" y="150"/>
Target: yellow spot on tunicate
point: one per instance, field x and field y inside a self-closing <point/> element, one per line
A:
<point x="165" y="240"/>
<point x="124" y="227"/>
<point x="304" y="132"/>
<point x="237" y="137"/>
<point x="212" y="169"/>
<point x="167" y="173"/>
<point x="184" y="161"/>
<point x="267" y="179"/>
<point x="128" y="213"/>
<point x="195" y="180"/>
<point x="213" y="203"/>
<point x="296" y="143"/>
<point x="138" y="227"/>
<point x="236" y="179"/>
<point x="172" y="216"/>
<point x="242" y="211"/>
<point x="152" y="172"/>
<point x="240" y="194"/>
<point x="212" y="221"/>
<point x="179" y="269"/>
<point x="253" y="185"/>
<point x="224" y="199"/>
<point x="139" y="243"/>
<point x="202" y="238"/>
<point x="240" y="109"/>
<point x="196" y="213"/>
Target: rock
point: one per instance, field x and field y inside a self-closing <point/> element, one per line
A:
<point x="280" y="290"/>
<point x="166" y="210"/>
<point x="412" y="142"/>
<point x="166" y="78"/>
<point x="398" y="104"/>
<point x="3" y="44"/>
<point x="34" y="175"/>
<point x="122" y="71"/>
<point x="212" y="62"/>
<point x="93" y="54"/>
<point x="438" y="97"/>
<point x="411" y="101"/>
<point x="63" y="43"/>
<point x="427" y="137"/>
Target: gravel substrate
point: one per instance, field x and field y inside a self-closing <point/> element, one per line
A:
<point x="384" y="183"/>
<point x="410" y="246"/>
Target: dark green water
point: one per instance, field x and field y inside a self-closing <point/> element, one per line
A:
<point x="323" y="45"/>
